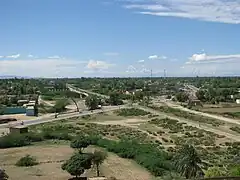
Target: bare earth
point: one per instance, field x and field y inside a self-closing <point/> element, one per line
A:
<point x="50" y="167"/>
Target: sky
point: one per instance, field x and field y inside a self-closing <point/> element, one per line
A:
<point x="123" y="38"/>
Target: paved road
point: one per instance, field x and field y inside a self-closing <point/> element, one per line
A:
<point x="51" y="118"/>
<point x="40" y="100"/>
<point x="82" y="91"/>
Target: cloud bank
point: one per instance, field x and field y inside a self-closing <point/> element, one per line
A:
<point x="224" y="11"/>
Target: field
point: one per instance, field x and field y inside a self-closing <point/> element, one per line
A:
<point x="229" y="110"/>
<point x="51" y="157"/>
<point x="164" y="133"/>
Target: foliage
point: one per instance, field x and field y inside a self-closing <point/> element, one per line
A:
<point x="188" y="115"/>
<point x="115" y="99"/>
<point x="97" y="159"/>
<point x="77" y="164"/>
<point x="147" y="155"/>
<point x="215" y="172"/>
<point x="172" y="176"/>
<point x="92" y="102"/>
<point x="12" y="140"/>
<point x="27" y="161"/>
<point x="132" y="112"/>
<point x="182" y="97"/>
<point x="3" y="175"/>
<point x="235" y="128"/>
<point x="235" y="171"/>
<point x="187" y="162"/>
<point x="60" y="105"/>
<point x="80" y="142"/>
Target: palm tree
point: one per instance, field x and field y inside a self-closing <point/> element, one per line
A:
<point x="97" y="159"/>
<point x="188" y="162"/>
<point x="3" y="175"/>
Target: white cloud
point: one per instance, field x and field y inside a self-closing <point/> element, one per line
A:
<point x="225" y="11"/>
<point x="111" y="54"/>
<point x="54" y="57"/>
<point x="32" y="56"/>
<point x="1" y="57"/>
<point x="204" y="58"/>
<point x="141" y="61"/>
<point x="42" y="68"/>
<point x="98" y="65"/>
<point x="14" y="56"/>
<point x="157" y="57"/>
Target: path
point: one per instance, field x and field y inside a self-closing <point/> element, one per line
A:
<point x="220" y="118"/>
<point x="194" y="124"/>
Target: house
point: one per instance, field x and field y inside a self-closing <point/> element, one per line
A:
<point x="22" y="102"/>
<point x="30" y="111"/>
<point x="18" y="129"/>
<point x="194" y="102"/>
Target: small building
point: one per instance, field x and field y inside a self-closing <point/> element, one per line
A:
<point x="30" y="111"/>
<point x="22" y="102"/>
<point x="238" y="101"/>
<point x="194" y="102"/>
<point x="18" y="129"/>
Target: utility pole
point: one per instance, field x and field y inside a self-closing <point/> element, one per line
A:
<point x="165" y="74"/>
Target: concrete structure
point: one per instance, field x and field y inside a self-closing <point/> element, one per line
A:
<point x="18" y="129"/>
<point x="238" y="101"/>
<point x="22" y="102"/>
<point x="30" y="111"/>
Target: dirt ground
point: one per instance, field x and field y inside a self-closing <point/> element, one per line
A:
<point x="19" y="117"/>
<point x="50" y="167"/>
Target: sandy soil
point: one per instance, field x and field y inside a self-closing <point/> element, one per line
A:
<point x="113" y="166"/>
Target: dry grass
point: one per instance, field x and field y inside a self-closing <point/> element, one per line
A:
<point x="121" y="168"/>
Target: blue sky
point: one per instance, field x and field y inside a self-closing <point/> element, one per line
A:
<point x="62" y="38"/>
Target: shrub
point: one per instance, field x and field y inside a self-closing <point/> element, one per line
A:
<point x="12" y="140"/>
<point x="27" y="161"/>
<point x="131" y="112"/>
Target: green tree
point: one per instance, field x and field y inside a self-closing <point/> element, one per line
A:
<point x="215" y="172"/>
<point x="188" y="162"/>
<point x="97" y="159"/>
<point x="72" y="96"/>
<point x="60" y="105"/>
<point x="80" y="143"/>
<point x="77" y="164"/>
<point x="235" y="171"/>
<point x="3" y="175"/>
<point x="115" y="99"/>
<point x="182" y="97"/>
<point x="92" y="102"/>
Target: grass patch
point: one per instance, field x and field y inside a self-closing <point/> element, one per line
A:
<point x="187" y="115"/>
<point x="27" y="161"/>
<point x="131" y="112"/>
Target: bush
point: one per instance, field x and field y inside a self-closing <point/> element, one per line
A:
<point x="12" y="140"/>
<point x="56" y="135"/>
<point x="147" y="155"/>
<point x="132" y="112"/>
<point x="27" y="161"/>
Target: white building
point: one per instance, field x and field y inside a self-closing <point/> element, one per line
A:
<point x="238" y="101"/>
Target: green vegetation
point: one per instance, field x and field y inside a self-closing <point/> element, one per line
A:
<point x="182" y="97"/>
<point x="27" y="161"/>
<point x="79" y="143"/>
<point x="188" y="162"/>
<point x="77" y="164"/>
<point x="131" y="112"/>
<point x="3" y="175"/>
<point x="97" y="159"/>
<point x="92" y="102"/>
<point x="235" y="128"/>
<point x="187" y="115"/>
